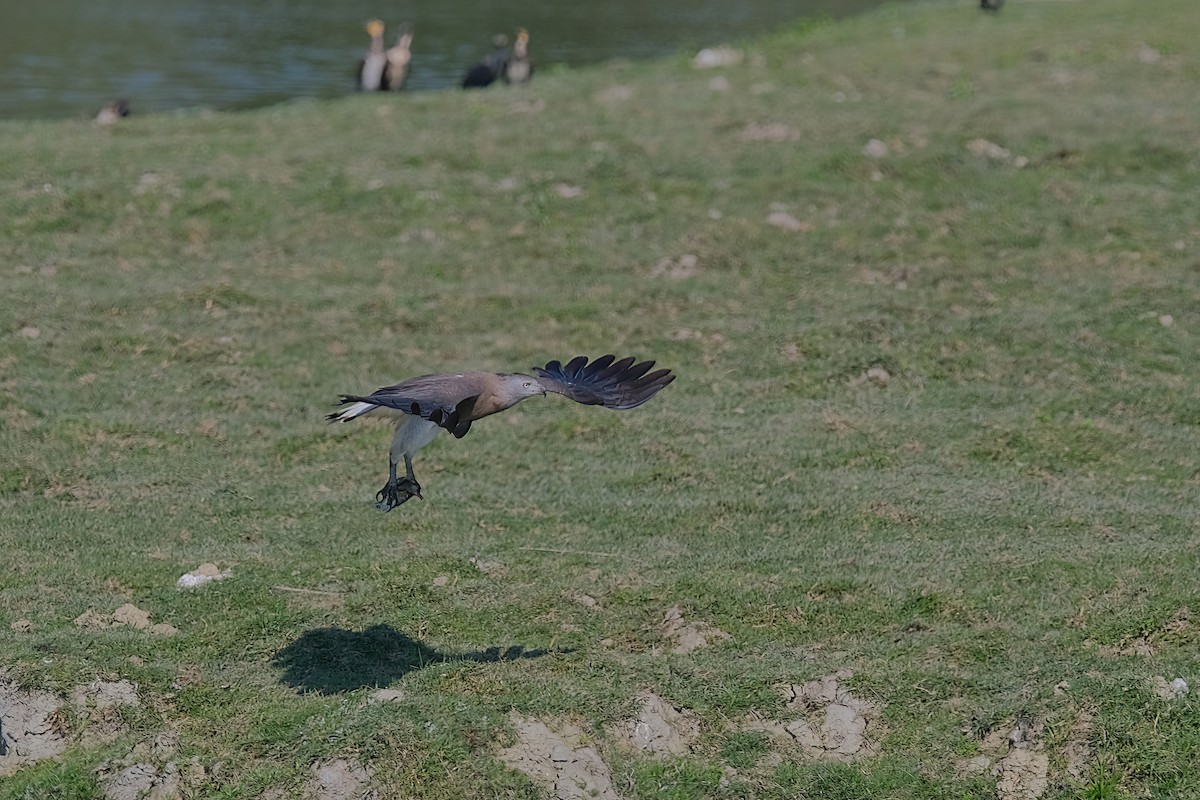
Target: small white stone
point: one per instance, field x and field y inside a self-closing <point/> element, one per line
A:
<point x="782" y="219"/>
<point x="722" y="56"/>
<point x="205" y="573"/>
<point x="879" y="375"/>
<point x="876" y="148"/>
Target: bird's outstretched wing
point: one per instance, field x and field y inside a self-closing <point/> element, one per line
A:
<point x="444" y="400"/>
<point x="605" y="381"/>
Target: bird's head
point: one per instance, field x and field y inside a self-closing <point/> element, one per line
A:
<point x="375" y="28"/>
<point x="517" y="387"/>
<point x="521" y="46"/>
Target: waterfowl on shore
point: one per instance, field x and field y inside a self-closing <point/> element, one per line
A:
<point x="491" y="67"/>
<point x="519" y="68"/>
<point x="372" y="67"/>
<point x="991" y="5"/>
<point x="398" y="58"/>
<point x="112" y="112"/>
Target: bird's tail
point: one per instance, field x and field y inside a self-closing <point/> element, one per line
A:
<point x="358" y="409"/>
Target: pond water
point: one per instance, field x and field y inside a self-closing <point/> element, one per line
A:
<point x="66" y="58"/>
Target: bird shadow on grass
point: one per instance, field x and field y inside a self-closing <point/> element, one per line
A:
<point x="335" y="660"/>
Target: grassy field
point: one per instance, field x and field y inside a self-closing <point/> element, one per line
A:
<point x="935" y="428"/>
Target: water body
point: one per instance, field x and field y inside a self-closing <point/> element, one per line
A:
<point x="66" y="58"/>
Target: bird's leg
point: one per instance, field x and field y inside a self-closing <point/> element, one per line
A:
<point x="410" y="479"/>
<point x="397" y="491"/>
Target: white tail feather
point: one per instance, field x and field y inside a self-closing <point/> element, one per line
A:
<point x="353" y="412"/>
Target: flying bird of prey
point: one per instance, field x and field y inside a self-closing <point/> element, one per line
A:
<point x="422" y="406"/>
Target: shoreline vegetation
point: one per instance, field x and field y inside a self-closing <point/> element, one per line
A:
<point x="917" y="519"/>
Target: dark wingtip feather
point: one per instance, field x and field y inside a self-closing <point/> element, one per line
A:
<point x="620" y="385"/>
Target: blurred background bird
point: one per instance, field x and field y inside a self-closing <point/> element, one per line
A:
<point x="112" y="112"/>
<point x="491" y="67"/>
<point x="373" y="65"/>
<point x="398" y="58"/>
<point x="519" y="68"/>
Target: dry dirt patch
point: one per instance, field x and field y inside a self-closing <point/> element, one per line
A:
<point x="768" y="132"/>
<point x="147" y="772"/>
<point x="487" y="566"/>
<point x="92" y="620"/>
<point x="556" y="759"/>
<point x="127" y="615"/>
<point x="1022" y="769"/>
<point x="103" y="695"/>
<point x="782" y="218"/>
<point x="385" y="696"/>
<point x="660" y="728"/>
<point x="614" y="95"/>
<point x="1078" y="748"/>
<point x="30" y="727"/>
<point x="994" y="152"/>
<point x="143" y="782"/>
<point x="99" y="703"/>
<point x="1144" y="644"/>
<point x="1168" y="690"/>
<point x="688" y="636"/>
<point x="837" y="725"/>
<point x="839" y="720"/>
<point x="340" y="780"/>
<point x="1022" y="775"/>
<point x="680" y="268"/>
<point x="1137" y="646"/>
<point x="585" y="600"/>
<point x="1014" y="754"/>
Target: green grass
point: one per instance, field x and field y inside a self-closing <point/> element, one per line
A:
<point x="1017" y="502"/>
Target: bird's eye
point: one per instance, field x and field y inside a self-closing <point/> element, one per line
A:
<point x="528" y="384"/>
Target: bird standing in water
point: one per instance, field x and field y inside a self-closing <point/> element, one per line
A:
<point x="112" y="112"/>
<point x="491" y="67"/>
<point x="372" y="67"/>
<point x="398" y="58"/>
<point x="424" y="405"/>
<point x="519" y="68"/>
